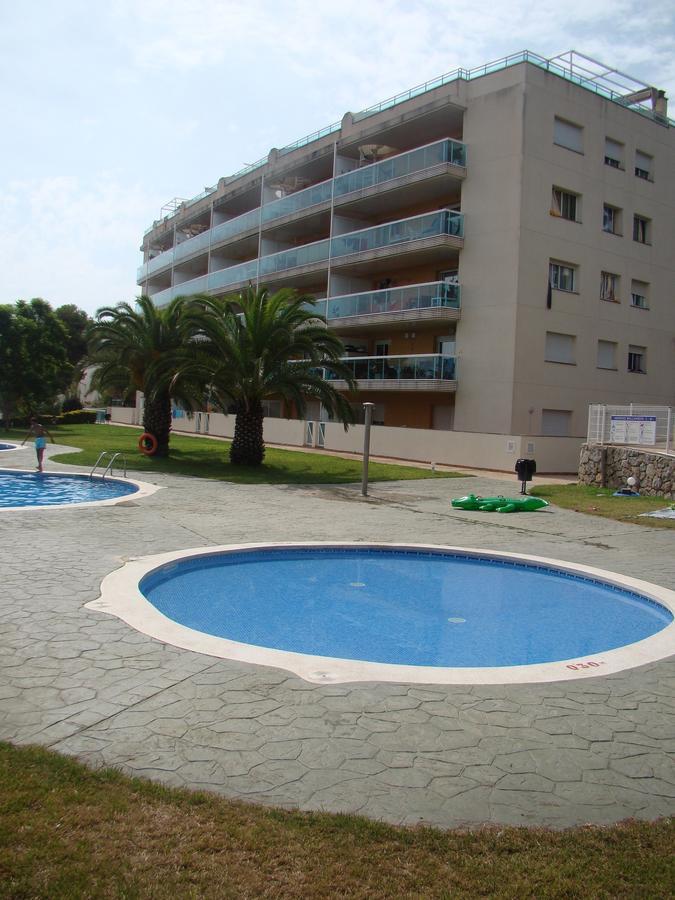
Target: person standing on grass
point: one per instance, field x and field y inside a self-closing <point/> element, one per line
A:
<point x="40" y="433"/>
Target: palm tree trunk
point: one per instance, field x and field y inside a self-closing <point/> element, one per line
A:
<point x="157" y="421"/>
<point x="248" y="447"/>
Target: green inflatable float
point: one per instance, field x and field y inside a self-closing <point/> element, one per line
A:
<point x="500" y="504"/>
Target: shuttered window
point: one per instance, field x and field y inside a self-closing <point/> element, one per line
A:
<point x="560" y="347"/>
<point x="606" y="355"/>
<point x="567" y="134"/>
<point x="556" y="422"/>
<point x="643" y="165"/>
<point x="613" y="153"/>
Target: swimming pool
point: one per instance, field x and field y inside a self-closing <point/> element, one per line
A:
<point x="40" y="490"/>
<point x="401" y="613"/>
<point x="4" y="447"/>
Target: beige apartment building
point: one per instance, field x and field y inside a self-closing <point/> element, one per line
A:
<point x="496" y="248"/>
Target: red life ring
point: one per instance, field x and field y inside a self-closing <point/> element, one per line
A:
<point x="147" y="443"/>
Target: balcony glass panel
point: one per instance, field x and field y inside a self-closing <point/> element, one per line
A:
<point x="192" y="245"/>
<point x="310" y="196"/>
<point x="319" y="307"/>
<point x="156" y="264"/>
<point x="246" y="271"/>
<point x="403" y="164"/>
<point x="232" y="227"/>
<point x="394" y="300"/>
<point x="429" y="225"/>
<point x="381" y="368"/>
<point x="298" y="256"/>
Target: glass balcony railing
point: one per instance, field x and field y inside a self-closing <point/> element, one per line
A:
<point x="394" y="300"/>
<point x="192" y="245"/>
<point x="222" y="278"/>
<point x="233" y="227"/>
<point x="446" y="151"/>
<point x="401" y="368"/>
<point x="428" y="225"/>
<point x="156" y="264"/>
<point x="193" y="286"/>
<point x="291" y="259"/>
<point x="318" y="307"/>
<point x="310" y="196"/>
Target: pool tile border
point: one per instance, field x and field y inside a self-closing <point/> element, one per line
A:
<point x="121" y="597"/>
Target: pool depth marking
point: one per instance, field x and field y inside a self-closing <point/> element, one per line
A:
<point x="121" y="597"/>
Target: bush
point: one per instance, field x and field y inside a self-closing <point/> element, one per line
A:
<point x="77" y="417"/>
<point x="70" y="404"/>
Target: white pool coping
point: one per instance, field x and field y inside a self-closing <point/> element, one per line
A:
<point x="12" y="447"/>
<point x="144" y="489"/>
<point x="121" y="597"/>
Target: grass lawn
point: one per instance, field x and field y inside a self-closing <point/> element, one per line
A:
<point x="598" y="501"/>
<point x="66" y="831"/>
<point x="208" y="458"/>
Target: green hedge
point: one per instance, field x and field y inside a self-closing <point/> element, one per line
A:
<point x="76" y="417"/>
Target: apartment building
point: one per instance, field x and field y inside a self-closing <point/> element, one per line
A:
<point x="496" y="248"/>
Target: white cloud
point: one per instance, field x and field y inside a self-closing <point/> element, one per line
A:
<point x="71" y="241"/>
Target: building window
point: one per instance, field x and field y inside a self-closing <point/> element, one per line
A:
<point x="382" y="348"/>
<point x="643" y="165"/>
<point x="613" y="154"/>
<point x="641" y="230"/>
<point x="611" y="219"/>
<point x="637" y="359"/>
<point x="607" y="355"/>
<point x="564" y="204"/>
<point x="562" y="277"/>
<point x="569" y="135"/>
<point x="556" y="422"/>
<point x="560" y="348"/>
<point x="609" y="287"/>
<point x="639" y="294"/>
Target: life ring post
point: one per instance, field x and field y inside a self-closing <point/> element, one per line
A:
<point x="147" y="444"/>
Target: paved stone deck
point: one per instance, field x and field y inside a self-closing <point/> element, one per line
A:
<point x="86" y="684"/>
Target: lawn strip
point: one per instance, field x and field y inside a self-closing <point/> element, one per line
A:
<point x="68" y="831"/>
<point x="597" y="501"/>
<point x="201" y="457"/>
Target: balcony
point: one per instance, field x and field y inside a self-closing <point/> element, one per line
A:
<point x="423" y="372"/>
<point x="237" y="227"/>
<point x="300" y="200"/>
<point x="422" y="161"/>
<point x="156" y="264"/>
<point x="412" y="303"/>
<point x="406" y="235"/>
<point x="297" y="258"/>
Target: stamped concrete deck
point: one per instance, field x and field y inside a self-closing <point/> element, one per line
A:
<point x="86" y="684"/>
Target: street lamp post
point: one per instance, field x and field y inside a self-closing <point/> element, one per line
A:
<point x="368" y="409"/>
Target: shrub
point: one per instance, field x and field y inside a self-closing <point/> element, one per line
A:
<point x="70" y="404"/>
<point x="77" y="417"/>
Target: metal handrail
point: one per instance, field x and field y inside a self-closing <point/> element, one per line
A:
<point x="111" y="463"/>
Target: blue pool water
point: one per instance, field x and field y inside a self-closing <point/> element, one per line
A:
<point x="8" y="447"/>
<point x="41" y="489"/>
<point x="402" y="607"/>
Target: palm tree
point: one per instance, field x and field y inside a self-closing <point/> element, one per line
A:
<point x="134" y="349"/>
<point x="253" y="346"/>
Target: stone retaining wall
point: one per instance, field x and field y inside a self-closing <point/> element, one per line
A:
<point x="653" y="472"/>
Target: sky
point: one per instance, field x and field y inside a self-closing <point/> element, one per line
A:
<point x="111" y="109"/>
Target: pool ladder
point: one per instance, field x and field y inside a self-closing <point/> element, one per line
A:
<point x="109" y="468"/>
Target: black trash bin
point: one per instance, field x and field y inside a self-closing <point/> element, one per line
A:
<point x="525" y="470"/>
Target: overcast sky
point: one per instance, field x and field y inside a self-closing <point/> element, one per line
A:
<point x="110" y="109"/>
